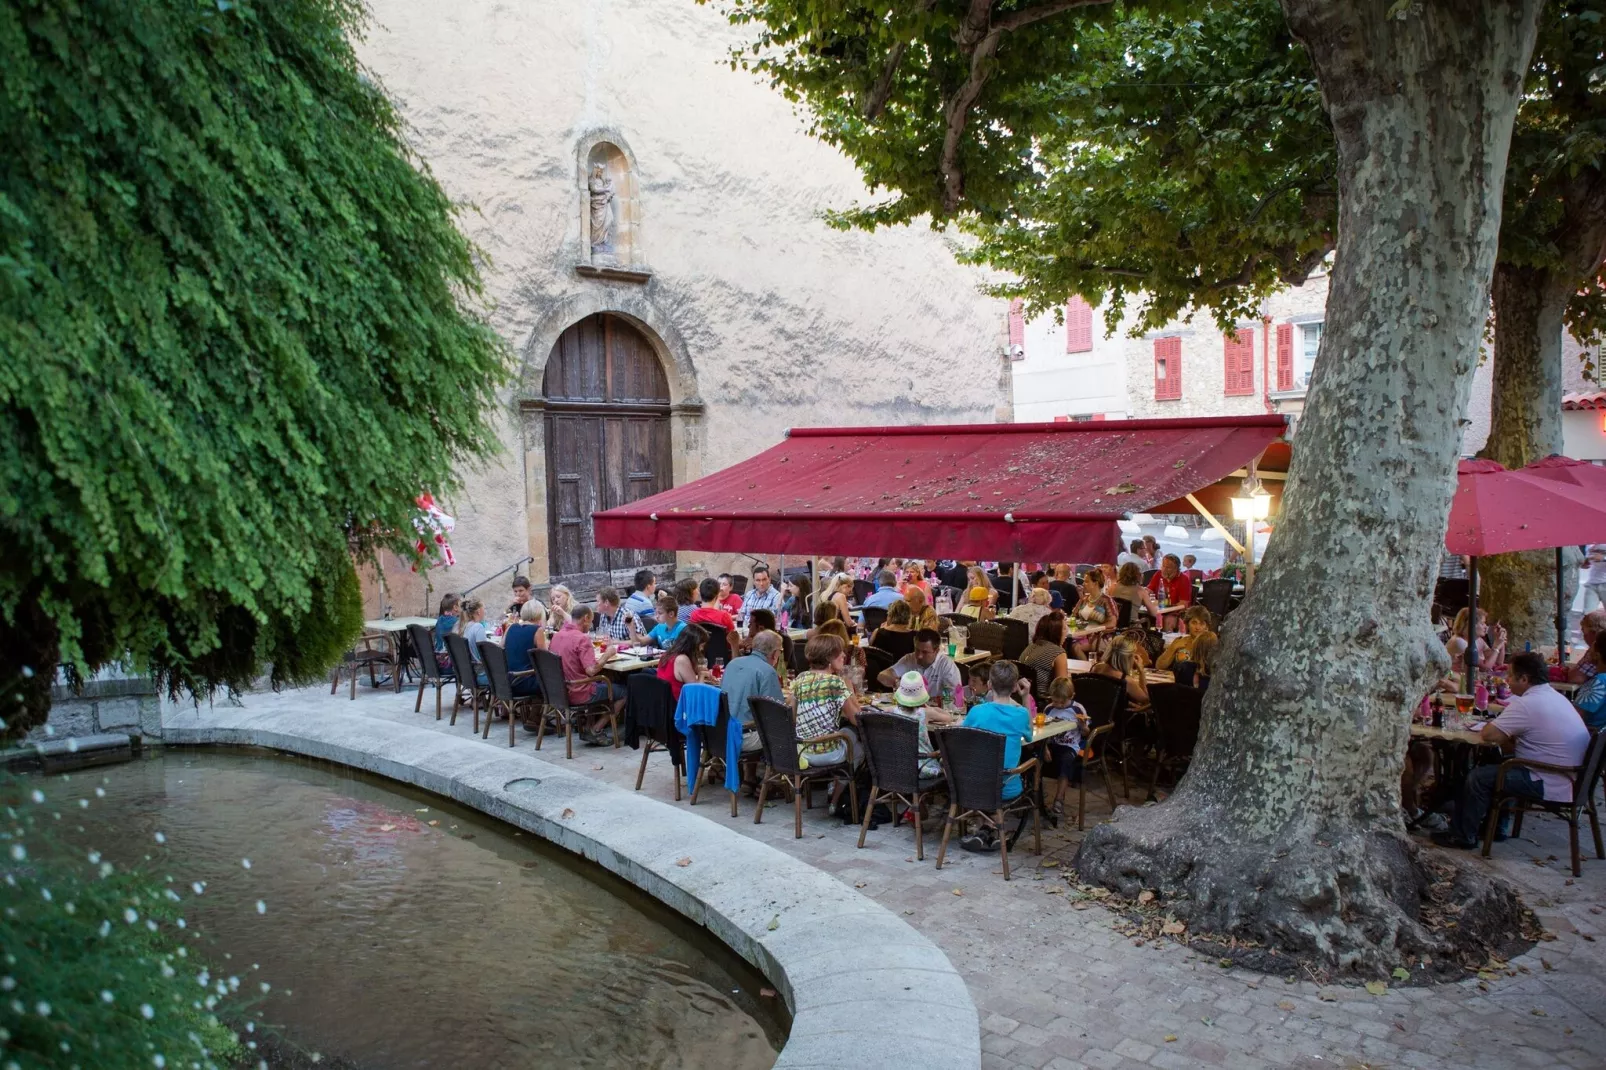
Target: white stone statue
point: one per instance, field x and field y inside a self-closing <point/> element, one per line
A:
<point x="601" y="187"/>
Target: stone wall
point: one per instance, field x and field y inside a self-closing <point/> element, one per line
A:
<point x="766" y="318"/>
<point x="111" y="702"/>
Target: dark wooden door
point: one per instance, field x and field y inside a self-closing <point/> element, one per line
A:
<point x="607" y="443"/>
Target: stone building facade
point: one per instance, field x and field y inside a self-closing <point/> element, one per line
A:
<point x="651" y="224"/>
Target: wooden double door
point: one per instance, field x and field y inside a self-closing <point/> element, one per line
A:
<point x="607" y="443"/>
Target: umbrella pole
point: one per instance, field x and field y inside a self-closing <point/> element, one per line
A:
<point x="1472" y="624"/>
<point x="1561" y="615"/>
<point x="1014" y="588"/>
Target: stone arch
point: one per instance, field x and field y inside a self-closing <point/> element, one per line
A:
<point x="606" y="148"/>
<point x="686" y="406"/>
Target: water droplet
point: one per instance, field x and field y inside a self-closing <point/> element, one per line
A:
<point x="147" y="1011"/>
<point x="38" y="796"/>
<point x="100" y="793"/>
<point x="105" y="927"/>
<point x="130" y="915"/>
<point x="94" y="856"/>
<point x="197" y="887"/>
<point x="19" y="853"/>
<point x="106" y="996"/>
<point x="246" y="862"/>
<point x="180" y="923"/>
<point x="262" y="908"/>
<point x="43" y="1008"/>
<point x="161" y="838"/>
<point x="158" y="1061"/>
<point x="7" y="983"/>
<point x="83" y="804"/>
<point x="46" y="893"/>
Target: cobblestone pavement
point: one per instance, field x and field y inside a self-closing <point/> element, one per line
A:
<point x="1057" y="986"/>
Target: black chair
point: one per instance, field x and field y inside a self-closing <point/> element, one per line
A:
<point x="897" y="644"/>
<point x="1104" y="699"/>
<point x="862" y="589"/>
<point x="1124" y="611"/>
<point x="1216" y="596"/>
<point x="876" y="662"/>
<point x="956" y="620"/>
<point x="892" y="750"/>
<point x="1017" y="636"/>
<point x="370" y="653"/>
<point x="1176" y="710"/>
<point x="717" y="647"/>
<point x="988" y="636"/>
<point x="973" y="761"/>
<point x="739" y="585"/>
<point x="555" y="689"/>
<point x="1069" y="592"/>
<point x="1083" y="570"/>
<point x="873" y="618"/>
<point x="796" y="662"/>
<point x="650" y="710"/>
<point x="429" y="669"/>
<point x="467" y="677"/>
<point x="712" y="739"/>
<point x="501" y="697"/>
<point x="1450" y="596"/>
<point x="1585" y="778"/>
<point x="1149" y="574"/>
<point x="777" y="731"/>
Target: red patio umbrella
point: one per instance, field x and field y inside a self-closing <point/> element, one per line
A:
<point x="1499" y="511"/>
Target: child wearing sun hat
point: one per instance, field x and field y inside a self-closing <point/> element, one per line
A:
<point x="912" y="698"/>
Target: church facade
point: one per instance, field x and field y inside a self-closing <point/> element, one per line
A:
<point x="655" y="256"/>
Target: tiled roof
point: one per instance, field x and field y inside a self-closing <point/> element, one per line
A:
<point x="1593" y="400"/>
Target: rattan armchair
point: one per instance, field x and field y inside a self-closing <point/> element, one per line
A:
<point x="501" y="697"/>
<point x="467" y="678"/>
<point x="1104" y="699"/>
<point x="973" y="760"/>
<point x="989" y="636"/>
<point x="429" y="670"/>
<point x="1585" y="778"/>
<point x="555" y="690"/>
<point x="892" y="750"/>
<point x="777" y="731"/>
<point x="366" y="656"/>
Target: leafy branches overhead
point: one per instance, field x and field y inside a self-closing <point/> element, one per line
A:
<point x="238" y="332"/>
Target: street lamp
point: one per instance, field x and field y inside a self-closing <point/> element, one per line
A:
<point x="1252" y="503"/>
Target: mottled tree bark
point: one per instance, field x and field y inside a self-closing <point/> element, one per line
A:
<point x="1287" y="828"/>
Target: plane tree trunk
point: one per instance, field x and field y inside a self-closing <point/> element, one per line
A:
<point x="1287" y="828"/>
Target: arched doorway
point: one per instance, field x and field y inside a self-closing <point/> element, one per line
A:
<point x="607" y="443"/>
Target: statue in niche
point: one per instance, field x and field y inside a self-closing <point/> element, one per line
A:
<point x="602" y="211"/>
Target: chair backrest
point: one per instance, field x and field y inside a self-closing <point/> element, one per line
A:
<point x="1590" y="772"/>
<point x="895" y="643"/>
<point x="494" y="658"/>
<point x="549" y="670"/>
<point x="987" y="635"/>
<point x="1101" y="696"/>
<point x="1149" y="574"/>
<point x="1083" y="570"/>
<point x="1017" y="636"/>
<point x="1216" y="595"/>
<point x="650" y="701"/>
<point x="862" y="589"/>
<point x="1450" y="595"/>
<point x="713" y="735"/>
<point x="876" y="662"/>
<point x="892" y="747"/>
<point x="1176" y="717"/>
<point x="873" y="618"/>
<point x="462" y="660"/>
<point x="739" y="585"/>
<point x="1067" y="591"/>
<point x="424" y="650"/>
<point x="796" y="661"/>
<point x="974" y="761"/>
<point x="777" y="732"/>
<point x="718" y="646"/>
<point x="1123" y="613"/>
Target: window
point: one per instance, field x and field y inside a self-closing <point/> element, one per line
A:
<point x="1017" y="329"/>
<point x="1310" y="343"/>
<point x="1285" y="356"/>
<point x="1167" y="369"/>
<point x="1238" y="359"/>
<point x="1078" y="326"/>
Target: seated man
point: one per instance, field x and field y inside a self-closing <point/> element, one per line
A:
<point x="612" y="621"/>
<point x="729" y="600"/>
<point x="886" y="591"/>
<point x="1539" y="725"/>
<point x="761" y="594"/>
<point x="935" y="667"/>
<point x="753" y="675"/>
<point x="1064" y="585"/>
<point x="710" y="616"/>
<point x="643" y="601"/>
<point x="1177" y="588"/>
<point x="1001" y="713"/>
<point x="572" y="645"/>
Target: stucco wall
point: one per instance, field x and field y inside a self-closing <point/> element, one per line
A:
<point x="777" y="319"/>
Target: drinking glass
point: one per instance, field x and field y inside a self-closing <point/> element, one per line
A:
<point x="1463" y="704"/>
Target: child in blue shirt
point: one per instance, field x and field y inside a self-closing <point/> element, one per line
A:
<point x="1001" y="713"/>
<point x="445" y="624"/>
<point x="669" y="627"/>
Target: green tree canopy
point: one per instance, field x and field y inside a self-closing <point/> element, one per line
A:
<point x="239" y="334"/>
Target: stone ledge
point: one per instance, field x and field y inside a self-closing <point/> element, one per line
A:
<point x="836" y="957"/>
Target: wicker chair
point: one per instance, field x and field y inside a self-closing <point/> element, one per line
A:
<point x="1176" y="725"/>
<point x="714" y="738"/>
<point x="1149" y="574"/>
<point x="1017" y="636"/>
<point x="873" y="618"/>
<point x="1585" y="778"/>
<point x="892" y="749"/>
<point x="366" y="655"/>
<point x="987" y="635"/>
<point x="862" y="589"/>
<point x="974" y="762"/>
<point x="1216" y="596"/>
<point x="650" y="700"/>
<point x="1124" y="612"/>
<point x="876" y="661"/>
<point x="467" y="678"/>
<point x="777" y="731"/>
<point x="718" y="647"/>
<point x="555" y="690"/>
<point x="897" y="644"/>
<point x="502" y="699"/>
<point x="1104" y="699"/>
<point x="429" y="670"/>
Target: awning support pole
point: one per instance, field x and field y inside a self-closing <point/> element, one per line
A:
<point x="1561" y="615"/>
<point x="1209" y="516"/>
<point x="1472" y="624"/>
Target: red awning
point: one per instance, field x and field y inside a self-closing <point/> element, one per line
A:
<point x="1005" y="492"/>
<point x="1496" y="511"/>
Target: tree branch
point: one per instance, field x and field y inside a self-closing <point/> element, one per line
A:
<point x="882" y="90"/>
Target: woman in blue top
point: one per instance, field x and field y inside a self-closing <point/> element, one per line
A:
<point x="522" y="641"/>
<point x="1591" y="698"/>
<point x="669" y="625"/>
<point x="445" y="624"/>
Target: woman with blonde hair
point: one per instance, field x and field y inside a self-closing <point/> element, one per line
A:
<point x="1122" y="661"/>
<point x="561" y="603"/>
<point x="1491" y="647"/>
<point x="921" y="616"/>
<point x="836" y="594"/>
<point x="1128" y="587"/>
<point x="979" y="594"/>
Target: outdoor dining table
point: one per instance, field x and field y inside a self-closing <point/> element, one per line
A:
<point x="629" y="663"/>
<point x="394" y="632"/>
<point x="1150" y="676"/>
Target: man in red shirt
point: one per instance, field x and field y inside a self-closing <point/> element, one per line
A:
<point x="573" y="646"/>
<point x="712" y="618"/>
<point x="729" y="600"/>
<point x="1176" y="584"/>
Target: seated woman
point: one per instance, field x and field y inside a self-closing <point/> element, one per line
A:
<point x="823" y="701"/>
<point x="682" y="663"/>
<point x="1094" y="609"/>
<point x="1491" y="648"/>
<point x="669" y="626"/>
<point x="827" y="613"/>
<point x="1186" y="649"/>
<point x="1045" y="656"/>
<point x="979" y="596"/>
<point x="1591" y="698"/>
<point x="560" y="604"/>
<point x="799" y="603"/>
<point x="921" y="616"/>
<point x="1123" y="661"/>
<point x="1579" y="672"/>
<point x="914" y="579"/>
<point x="836" y="594"/>
<point x="1034" y="610"/>
<point x="898" y="620"/>
<point x="471" y="626"/>
<point x="1129" y="587"/>
<point x="521" y="642"/>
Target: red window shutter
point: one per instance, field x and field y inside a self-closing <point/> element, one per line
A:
<point x="1078" y="326"/>
<point x="1167" y="369"/>
<point x="1062" y="419"/>
<point x="1017" y="322"/>
<point x="1098" y="416"/>
<point x="1238" y="358"/>
<point x="1285" y="356"/>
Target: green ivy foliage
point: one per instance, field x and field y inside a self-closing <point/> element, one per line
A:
<point x="239" y="333"/>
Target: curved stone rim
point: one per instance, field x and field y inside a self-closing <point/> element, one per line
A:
<point x="863" y="986"/>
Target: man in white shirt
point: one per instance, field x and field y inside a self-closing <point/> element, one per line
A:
<point x="1134" y="554"/>
<point x="1539" y="725"/>
<point x="1595" y="575"/>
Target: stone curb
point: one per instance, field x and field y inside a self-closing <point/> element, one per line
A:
<point x="864" y="987"/>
